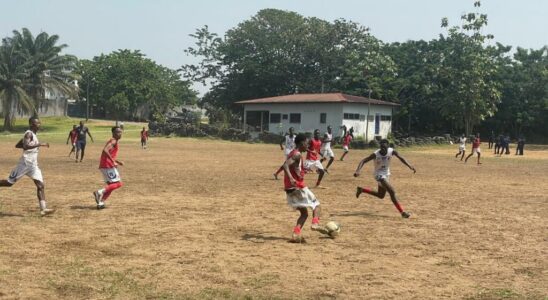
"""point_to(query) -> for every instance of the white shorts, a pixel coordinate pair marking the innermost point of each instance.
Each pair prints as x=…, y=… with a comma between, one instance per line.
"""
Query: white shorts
x=22, y=169
x=461, y=148
x=302, y=198
x=313, y=165
x=110, y=175
x=327, y=152
x=379, y=177
x=476, y=150
x=286, y=152
x=345, y=148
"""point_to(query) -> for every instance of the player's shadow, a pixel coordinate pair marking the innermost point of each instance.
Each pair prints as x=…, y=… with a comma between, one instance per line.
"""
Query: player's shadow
x=357, y=214
x=84, y=207
x=2, y=215
x=257, y=237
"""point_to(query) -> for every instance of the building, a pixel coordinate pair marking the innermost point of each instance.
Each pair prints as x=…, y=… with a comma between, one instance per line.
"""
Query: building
x=306, y=112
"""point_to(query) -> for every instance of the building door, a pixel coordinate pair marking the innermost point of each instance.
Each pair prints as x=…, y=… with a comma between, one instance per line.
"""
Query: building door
x=257, y=120
x=377, y=123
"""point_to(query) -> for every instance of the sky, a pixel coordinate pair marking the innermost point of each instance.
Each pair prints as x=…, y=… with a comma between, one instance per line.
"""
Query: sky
x=161, y=28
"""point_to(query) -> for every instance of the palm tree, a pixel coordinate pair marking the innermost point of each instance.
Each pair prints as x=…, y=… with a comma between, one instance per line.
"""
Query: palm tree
x=13, y=74
x=48, y=69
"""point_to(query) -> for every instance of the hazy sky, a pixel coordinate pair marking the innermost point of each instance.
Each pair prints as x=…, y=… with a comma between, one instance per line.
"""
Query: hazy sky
x=160, y=28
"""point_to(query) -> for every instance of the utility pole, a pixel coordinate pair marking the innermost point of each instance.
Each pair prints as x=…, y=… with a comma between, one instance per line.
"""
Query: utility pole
x=367, y=118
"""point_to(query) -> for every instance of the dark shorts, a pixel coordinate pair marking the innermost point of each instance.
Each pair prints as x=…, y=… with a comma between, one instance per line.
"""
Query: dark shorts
x=81, y=145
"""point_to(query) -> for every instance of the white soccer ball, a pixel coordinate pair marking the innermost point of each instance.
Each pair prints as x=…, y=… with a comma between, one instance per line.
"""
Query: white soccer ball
x=333, y=228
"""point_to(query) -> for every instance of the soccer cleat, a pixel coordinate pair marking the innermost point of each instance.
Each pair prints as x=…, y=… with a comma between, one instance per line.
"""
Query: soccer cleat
x=296, y=238
x=319, y=228
x=100, y=205
x=275, y=176
x=405, y=215
x=46, y=211
x=358, y=192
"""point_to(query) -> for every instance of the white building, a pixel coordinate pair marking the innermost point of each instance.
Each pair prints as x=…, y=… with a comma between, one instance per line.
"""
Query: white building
x=306, y=112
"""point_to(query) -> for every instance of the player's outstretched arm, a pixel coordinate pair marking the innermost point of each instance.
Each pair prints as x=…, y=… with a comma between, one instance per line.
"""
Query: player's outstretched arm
x=362, y=163
x=404, y=161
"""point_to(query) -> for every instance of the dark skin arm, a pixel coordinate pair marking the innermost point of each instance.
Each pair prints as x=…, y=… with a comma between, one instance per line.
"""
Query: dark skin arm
x=404, y=161
x=362, y=163
x=90, y=135
x=26, y=143
x=68, y=138
x=291, y=162
x=281, y=143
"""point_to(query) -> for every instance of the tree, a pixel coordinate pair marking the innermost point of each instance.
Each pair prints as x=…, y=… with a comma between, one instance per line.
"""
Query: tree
x=13, y=73
x=118, y=105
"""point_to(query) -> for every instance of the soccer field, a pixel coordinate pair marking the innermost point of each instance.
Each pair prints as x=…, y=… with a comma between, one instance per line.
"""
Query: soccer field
x=205, y=219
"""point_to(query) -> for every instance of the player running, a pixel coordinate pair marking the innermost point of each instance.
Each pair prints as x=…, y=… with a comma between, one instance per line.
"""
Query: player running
x=346, y=143
x=298, y=195
x=462, y=147
x=312, y=161
x=28, y=164
x=326, y=151
x=144, y=138
x=72, y=136
x=289, y=141
x=81, y=140
x=382, y=159
x=108, y=167
x=475, y=148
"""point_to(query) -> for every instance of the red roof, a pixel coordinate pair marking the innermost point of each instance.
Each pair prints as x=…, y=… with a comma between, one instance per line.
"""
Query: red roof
x=317, y=98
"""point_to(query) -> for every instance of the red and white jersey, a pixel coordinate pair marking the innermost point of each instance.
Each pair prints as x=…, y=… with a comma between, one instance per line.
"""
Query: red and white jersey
x=314, y=148
x=382, y=162
x=476, y=143
x=347, y=139
x=105, y=162
x=296, y=172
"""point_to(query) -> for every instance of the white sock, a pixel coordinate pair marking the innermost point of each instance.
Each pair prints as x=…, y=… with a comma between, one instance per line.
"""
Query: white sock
x=42, y=204
x=101, y=191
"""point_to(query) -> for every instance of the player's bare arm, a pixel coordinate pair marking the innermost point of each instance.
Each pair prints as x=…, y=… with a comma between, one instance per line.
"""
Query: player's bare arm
x=90, y=135
x=404, y=161
x=282, y=143
x=27, y=143
x=362, y=163
x=68, y=138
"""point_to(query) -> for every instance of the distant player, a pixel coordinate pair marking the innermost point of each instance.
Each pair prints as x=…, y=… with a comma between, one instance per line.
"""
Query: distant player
x=475, y=148
x=345, y=144
x=382, y=158
x=28, y=164
x=72, y=136
x=144, y=138
x=462, y=147
x=326, y=151
x=289, y=142
x=312, y=161
x=298, y=195
x=108, y=166
x=81, y=140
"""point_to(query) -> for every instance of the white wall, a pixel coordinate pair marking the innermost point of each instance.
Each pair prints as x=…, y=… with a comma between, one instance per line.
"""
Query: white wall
x=310, y=117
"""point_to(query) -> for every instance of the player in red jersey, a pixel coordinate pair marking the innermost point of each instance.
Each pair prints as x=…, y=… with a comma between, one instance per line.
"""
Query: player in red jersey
x=144, y=138
x=346, y=143
x=108, y=166
x=312, y=161
x=298, y=195
x=475, y=148
x=72, y=136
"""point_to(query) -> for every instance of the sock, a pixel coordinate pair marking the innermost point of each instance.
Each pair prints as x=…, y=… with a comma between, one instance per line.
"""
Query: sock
x=111, y=187
x=297, y=229
x=316, y=220
x=366, y=190
x=42, y=204
x=398, y=206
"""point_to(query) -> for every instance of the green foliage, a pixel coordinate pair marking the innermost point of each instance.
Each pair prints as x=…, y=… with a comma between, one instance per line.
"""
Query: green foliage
x=118, y=104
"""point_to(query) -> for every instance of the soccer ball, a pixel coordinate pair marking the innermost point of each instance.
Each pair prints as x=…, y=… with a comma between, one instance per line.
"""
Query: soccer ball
x=333, y=228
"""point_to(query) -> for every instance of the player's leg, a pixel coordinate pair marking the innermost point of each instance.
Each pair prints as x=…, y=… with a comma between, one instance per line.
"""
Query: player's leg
x=393, y=197
x=331, y=159
x=36, y=174
x=296, y=236
x=280, y=169
x=83, y=151
x=465, y=160
x=321, y=172
x=344, y=154
x=380, y=193
x=462, y=156
x=479, y=156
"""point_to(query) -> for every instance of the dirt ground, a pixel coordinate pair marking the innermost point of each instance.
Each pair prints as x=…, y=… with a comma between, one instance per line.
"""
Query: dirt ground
x=204, y=219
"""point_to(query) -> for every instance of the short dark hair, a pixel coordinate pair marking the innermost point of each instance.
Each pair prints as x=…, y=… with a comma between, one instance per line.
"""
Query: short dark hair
x=384, y=141
x=33, y=118
x=114, y=128
x=300, y=138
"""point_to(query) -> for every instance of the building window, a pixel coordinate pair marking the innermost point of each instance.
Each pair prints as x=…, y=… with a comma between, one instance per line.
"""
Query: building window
x=362, y=118
x=323, y=118
x=386, y=118
x=275, y=118
x=284, y=116
x=371, y=118
x=348, y=116
x=295, y=118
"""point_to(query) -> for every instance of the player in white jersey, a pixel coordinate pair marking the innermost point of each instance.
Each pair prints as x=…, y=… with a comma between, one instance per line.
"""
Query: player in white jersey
x=462, y=147
x=28, y=164
x=326, y=151
x=289, y=142
x=382, y=159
